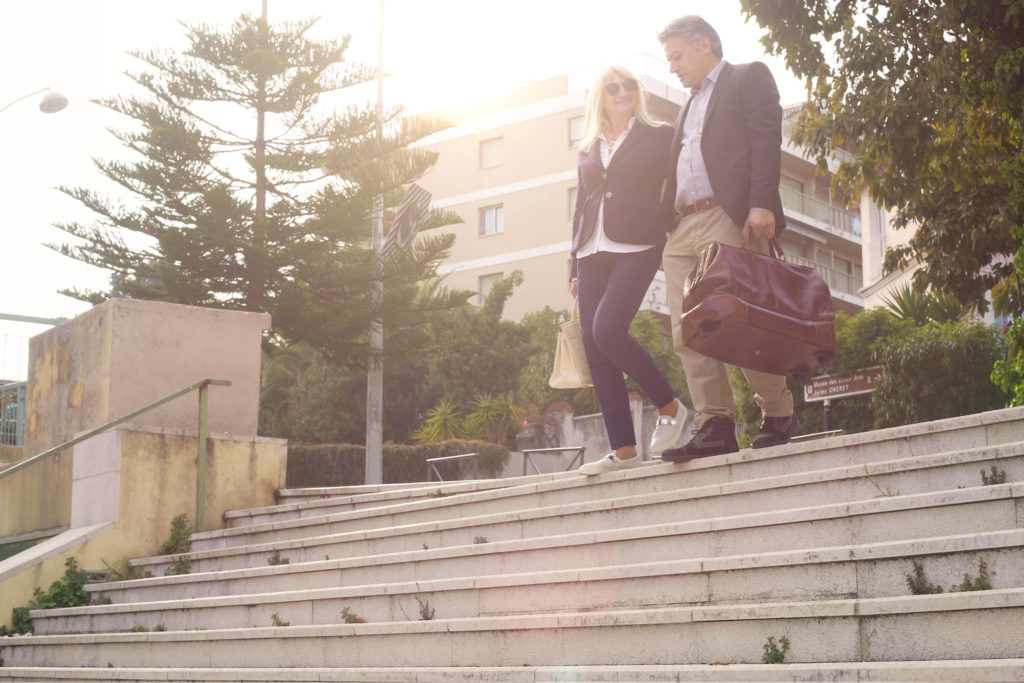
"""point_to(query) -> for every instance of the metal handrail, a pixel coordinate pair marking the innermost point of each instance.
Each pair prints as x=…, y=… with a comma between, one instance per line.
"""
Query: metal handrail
x=202, y=386
x=432, y=468
x=528, y=452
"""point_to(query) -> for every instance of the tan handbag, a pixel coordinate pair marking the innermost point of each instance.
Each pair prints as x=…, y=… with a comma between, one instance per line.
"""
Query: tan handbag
x=571, y=370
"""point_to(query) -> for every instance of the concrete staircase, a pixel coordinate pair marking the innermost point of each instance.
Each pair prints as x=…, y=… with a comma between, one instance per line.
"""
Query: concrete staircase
x=662, y=573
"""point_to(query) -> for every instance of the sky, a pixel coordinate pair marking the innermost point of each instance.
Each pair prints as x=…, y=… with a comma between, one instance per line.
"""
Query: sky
x=440, y=52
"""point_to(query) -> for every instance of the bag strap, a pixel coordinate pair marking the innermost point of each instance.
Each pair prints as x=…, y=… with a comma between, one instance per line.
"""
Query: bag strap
x=774, y=247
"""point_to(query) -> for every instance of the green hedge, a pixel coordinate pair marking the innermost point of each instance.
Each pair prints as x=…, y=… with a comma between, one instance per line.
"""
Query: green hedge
x=311, y=465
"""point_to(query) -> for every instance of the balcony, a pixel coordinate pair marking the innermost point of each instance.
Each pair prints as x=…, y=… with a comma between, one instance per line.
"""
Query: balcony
x=819, y=214
x=843, y=285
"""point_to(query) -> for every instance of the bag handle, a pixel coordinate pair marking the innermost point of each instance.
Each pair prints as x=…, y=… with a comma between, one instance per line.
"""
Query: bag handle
x=774, y=247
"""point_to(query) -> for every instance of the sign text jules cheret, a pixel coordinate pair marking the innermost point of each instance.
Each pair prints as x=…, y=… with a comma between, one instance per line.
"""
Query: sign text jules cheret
x=837, y=386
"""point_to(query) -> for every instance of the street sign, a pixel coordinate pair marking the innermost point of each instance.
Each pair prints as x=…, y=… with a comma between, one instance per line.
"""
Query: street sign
x=838, y=386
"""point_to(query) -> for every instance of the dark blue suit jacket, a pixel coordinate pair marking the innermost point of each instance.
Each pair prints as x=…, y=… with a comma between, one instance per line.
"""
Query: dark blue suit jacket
x=741, y=144
x=631, y=188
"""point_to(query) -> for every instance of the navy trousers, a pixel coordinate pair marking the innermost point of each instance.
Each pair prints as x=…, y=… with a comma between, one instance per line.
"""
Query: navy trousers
x=611, y=288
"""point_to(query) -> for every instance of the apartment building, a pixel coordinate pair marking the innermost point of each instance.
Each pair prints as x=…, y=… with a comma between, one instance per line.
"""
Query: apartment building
x=508, y=168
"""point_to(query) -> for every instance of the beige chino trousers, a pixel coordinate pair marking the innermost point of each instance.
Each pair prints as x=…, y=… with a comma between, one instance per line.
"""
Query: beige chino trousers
x=708, y=378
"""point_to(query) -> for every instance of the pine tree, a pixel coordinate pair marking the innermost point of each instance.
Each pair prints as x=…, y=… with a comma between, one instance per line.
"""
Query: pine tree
x=254, y=194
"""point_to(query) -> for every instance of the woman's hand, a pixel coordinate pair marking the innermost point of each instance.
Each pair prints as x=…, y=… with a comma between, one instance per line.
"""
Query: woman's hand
x=573, y=287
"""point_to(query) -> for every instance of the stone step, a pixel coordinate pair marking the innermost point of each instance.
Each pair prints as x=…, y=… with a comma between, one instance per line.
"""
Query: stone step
x=972, y=625
x=765, y=496
x=866, y=571
x=940, y=671
x=697, y=494
x=385, y=555
x=966, y=432
x=299, y=503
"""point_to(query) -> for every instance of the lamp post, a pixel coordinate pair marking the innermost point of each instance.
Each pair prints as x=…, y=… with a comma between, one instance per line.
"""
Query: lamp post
x=51, y=103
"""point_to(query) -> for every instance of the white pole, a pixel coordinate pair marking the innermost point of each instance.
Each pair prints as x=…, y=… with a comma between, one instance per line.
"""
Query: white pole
x=375, y=375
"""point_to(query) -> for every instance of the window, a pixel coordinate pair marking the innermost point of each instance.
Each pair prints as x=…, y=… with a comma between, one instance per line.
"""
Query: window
x=575, y=131
x=492, y=153
x=572, y=201
x=484, y=284
x=492, y=220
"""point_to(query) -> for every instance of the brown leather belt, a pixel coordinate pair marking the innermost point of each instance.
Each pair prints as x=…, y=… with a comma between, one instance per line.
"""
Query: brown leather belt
x=698, y=206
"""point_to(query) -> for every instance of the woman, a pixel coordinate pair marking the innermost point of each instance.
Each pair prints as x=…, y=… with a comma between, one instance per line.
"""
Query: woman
x=616, y=250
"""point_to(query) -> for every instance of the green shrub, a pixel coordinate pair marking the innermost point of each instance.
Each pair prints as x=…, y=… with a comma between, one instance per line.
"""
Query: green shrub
x=938, y=371
x=773, y=654
x=1009, y=374
x=67, y=591
x=979, y=583
x=21, y=623
x=181, y=537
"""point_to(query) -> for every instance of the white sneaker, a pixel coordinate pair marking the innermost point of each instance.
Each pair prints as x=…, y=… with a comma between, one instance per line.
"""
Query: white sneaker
x=609, y=463
x=667, y=429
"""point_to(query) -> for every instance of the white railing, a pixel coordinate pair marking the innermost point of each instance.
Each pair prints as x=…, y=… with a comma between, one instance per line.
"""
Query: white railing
x=837, y=280
x=840, y=220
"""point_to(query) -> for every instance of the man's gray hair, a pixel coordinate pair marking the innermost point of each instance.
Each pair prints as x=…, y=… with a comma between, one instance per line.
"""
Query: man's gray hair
x=692, y=29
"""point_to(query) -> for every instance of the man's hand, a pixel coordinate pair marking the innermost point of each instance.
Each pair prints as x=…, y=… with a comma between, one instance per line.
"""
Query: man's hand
x=574, y=287
x=760, y=225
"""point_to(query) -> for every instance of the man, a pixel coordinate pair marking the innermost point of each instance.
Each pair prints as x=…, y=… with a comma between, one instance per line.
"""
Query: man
x=726, y=161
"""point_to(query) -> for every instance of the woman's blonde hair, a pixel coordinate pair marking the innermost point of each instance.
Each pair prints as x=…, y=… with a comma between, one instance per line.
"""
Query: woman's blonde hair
x=596, y=121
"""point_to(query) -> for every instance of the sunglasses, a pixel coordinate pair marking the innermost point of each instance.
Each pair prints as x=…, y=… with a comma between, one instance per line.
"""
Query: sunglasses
x=629, y=85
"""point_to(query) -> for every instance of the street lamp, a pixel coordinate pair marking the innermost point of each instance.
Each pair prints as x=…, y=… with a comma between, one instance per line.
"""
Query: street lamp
x=52, y=102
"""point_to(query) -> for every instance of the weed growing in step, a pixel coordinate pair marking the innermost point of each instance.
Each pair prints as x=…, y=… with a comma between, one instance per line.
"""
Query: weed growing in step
x=882, y=493
x=179, y=544
x=480, y=539
x=100, y=600
x=996, y=477
x=159, y=627
x=276, y=559
x=277, y=621
x=181, y=537
x=774, y=654
x=439, y=494
x=918, y=584
x=67, y=591
x=21, y=623
x=350, y=617
x=979, y=583
x=426, y=611
x=182, y=564
x=124, y=571
x=140, y=629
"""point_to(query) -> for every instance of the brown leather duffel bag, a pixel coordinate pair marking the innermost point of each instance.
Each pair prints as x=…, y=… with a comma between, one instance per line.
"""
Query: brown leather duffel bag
x=759, y=312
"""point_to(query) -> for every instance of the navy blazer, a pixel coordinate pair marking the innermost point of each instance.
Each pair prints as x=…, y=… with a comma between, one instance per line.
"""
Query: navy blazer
x=741, y=144
x=631, y=188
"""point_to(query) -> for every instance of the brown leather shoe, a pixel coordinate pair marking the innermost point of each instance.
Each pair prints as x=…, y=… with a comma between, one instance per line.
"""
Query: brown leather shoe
x=715, y=437
x=776, y=431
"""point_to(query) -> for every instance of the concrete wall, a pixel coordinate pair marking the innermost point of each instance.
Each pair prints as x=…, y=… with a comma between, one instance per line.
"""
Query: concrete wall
x=10, y=455
x=117, y=358
x=36, y=498
x=129, y=484
x=125, y=353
